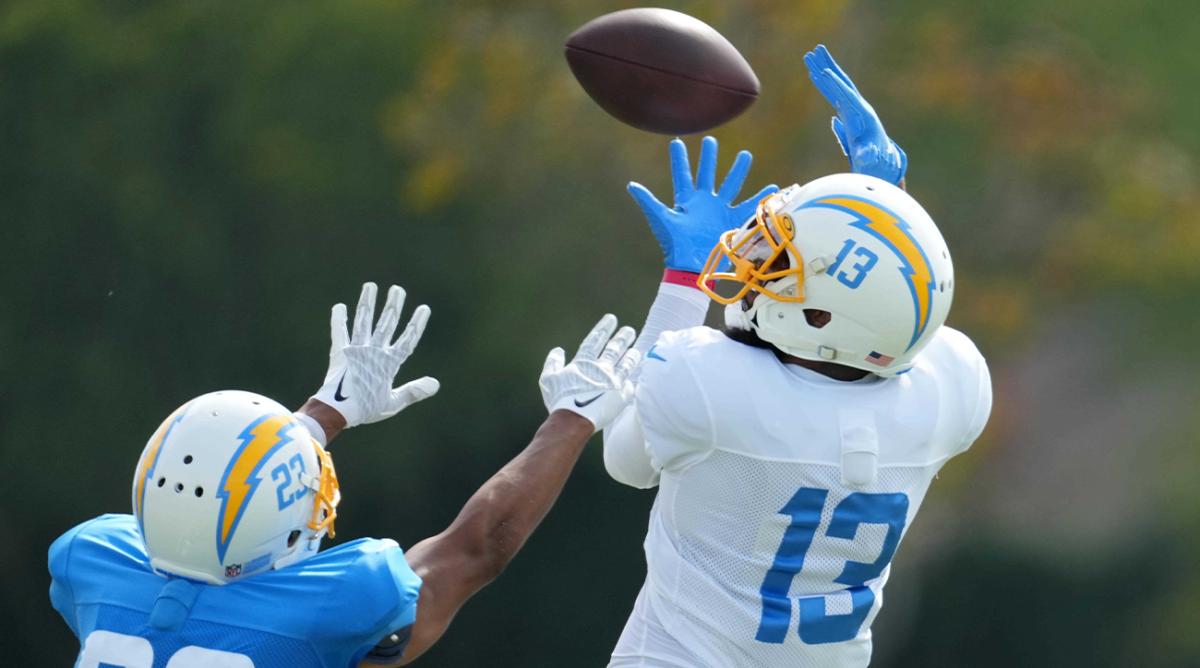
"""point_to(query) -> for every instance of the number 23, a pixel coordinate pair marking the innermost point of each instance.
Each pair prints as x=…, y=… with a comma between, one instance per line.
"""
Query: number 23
x=107, y=648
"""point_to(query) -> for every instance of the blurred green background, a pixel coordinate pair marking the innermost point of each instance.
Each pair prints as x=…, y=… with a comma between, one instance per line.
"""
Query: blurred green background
x=185, y=188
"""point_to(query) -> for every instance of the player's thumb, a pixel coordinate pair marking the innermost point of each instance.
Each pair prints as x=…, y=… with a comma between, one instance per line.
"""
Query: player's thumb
x=645, y=200
x=654, y=211
x=554, y=361
x=412, y=392
x=839, y=132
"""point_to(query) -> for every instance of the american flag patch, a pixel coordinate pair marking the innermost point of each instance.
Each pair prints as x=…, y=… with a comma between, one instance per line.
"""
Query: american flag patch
x=879, y=359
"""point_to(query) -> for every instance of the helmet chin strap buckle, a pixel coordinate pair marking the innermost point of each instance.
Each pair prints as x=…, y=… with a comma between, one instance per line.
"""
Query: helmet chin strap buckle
x=818, y=265
x=827, y=353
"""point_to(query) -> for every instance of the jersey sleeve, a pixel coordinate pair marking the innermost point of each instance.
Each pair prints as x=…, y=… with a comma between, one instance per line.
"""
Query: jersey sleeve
x=969, y=386
x=672, y=408
x=81, y=562
x=983, y=404
x=62, y=595
x=625, y=456
x=374, y=598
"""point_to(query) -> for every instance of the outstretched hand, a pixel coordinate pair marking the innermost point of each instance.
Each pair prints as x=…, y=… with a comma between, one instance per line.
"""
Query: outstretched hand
x=595, y=384
x=701, y=213
x=856, y=126
x=363, y=364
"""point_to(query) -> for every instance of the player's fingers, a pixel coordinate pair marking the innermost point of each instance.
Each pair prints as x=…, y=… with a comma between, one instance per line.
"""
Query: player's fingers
x=681, y=171
x=364, y=314
x=816, y=74
x=856, y=114
x=411, y=392
x=839, y=94
x=338, y=336
x=554, y=361
x=832, y=65
x=736, y=177
x=706, y=171
x=389, y=317
x=412, y=332
x=594, y=342
x=856, y=123
x=810, y=62
x=855, y=110
x=629, y=361
x=821, y=57
x=617, y=345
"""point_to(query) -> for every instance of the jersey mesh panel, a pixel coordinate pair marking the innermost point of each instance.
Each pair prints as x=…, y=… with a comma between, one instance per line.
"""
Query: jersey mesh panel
x=710, y=550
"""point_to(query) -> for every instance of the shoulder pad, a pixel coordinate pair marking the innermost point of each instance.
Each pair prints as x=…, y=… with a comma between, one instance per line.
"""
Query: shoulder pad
x=372, y=591
x=111, y=541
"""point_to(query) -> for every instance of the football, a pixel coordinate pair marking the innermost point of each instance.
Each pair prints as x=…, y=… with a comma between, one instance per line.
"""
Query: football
x=661, y=70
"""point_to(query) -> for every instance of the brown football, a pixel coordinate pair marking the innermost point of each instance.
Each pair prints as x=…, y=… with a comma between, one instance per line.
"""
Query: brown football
x=660, y=70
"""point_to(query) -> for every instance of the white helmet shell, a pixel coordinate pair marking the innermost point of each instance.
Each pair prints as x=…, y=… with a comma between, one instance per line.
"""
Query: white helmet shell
x=859, y=248
x=229, y=485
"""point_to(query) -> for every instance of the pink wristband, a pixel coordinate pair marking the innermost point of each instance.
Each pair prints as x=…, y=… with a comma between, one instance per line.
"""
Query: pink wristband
x=686, y=278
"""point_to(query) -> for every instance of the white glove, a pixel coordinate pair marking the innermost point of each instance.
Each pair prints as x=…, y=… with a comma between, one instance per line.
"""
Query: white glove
x=596, y=383
x=363, y=366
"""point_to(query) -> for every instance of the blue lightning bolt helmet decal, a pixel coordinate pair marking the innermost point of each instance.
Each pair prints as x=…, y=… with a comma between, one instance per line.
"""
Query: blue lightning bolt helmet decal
x=260, y=439
x=150, y=457
x=895, y=233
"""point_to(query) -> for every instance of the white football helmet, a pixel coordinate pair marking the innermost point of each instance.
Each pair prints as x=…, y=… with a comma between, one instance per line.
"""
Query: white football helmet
x=232, y=484
x=849, y=244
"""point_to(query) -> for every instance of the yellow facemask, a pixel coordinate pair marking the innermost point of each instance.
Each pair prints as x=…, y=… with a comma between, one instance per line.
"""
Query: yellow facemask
x=751, y=251
x=327, y=496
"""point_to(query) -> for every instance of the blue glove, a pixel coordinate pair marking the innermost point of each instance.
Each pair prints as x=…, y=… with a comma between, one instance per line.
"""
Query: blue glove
x=856, y=126
x=688, y=232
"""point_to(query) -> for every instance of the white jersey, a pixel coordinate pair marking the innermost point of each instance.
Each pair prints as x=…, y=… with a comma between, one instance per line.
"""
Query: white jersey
x=783, y=497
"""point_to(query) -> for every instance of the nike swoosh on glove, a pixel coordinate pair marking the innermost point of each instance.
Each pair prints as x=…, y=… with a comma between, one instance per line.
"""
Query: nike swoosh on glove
x=596, y=383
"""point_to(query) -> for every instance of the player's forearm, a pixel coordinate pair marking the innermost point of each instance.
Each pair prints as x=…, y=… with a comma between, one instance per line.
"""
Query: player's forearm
x=326, y=417
x=678, y=305
x=498, y=518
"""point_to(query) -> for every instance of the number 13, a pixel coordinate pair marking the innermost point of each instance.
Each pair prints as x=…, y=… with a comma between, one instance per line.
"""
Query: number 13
x=861, y=269
x=816, y=626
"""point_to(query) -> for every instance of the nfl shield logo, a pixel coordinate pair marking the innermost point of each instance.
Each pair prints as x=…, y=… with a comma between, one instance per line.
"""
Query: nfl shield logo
x=233, y=570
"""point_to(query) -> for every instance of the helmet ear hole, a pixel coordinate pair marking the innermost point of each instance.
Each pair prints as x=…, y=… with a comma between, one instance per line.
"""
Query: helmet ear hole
x=293, y=537
x=817, y=318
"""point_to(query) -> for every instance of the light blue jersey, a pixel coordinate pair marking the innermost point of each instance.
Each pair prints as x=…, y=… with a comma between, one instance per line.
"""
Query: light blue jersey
x=328, y=611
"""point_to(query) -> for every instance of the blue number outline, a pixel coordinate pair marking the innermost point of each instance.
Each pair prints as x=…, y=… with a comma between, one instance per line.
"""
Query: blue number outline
x=869, y=260
x=285, y=471
x=861, y=269
x=804, y=508
x=837, y=262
